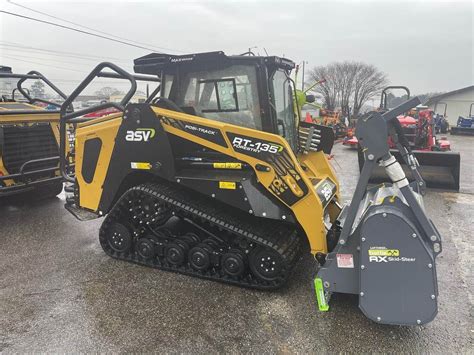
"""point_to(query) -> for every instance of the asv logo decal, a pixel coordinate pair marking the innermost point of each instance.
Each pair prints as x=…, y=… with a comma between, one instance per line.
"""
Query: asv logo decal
x=140, y=135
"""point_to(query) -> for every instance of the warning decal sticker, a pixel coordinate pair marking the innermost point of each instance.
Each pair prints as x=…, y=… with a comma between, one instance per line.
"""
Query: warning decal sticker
x=345, y=261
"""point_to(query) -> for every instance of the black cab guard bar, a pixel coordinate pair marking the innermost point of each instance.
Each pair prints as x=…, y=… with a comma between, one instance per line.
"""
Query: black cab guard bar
x=77, y=116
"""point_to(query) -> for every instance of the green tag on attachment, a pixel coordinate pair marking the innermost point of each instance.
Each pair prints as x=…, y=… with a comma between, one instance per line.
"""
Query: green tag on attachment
x=319, y=289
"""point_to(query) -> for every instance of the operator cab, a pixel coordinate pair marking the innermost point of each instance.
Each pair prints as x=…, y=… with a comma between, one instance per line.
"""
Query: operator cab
x=244, y=90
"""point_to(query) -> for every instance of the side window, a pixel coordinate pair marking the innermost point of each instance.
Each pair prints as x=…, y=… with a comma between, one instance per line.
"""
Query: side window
x=227, y=95
x=218, y=96
x=243, y=94
x=207, y=96
x=283, y=105
x=168, y=85
x=190, y=98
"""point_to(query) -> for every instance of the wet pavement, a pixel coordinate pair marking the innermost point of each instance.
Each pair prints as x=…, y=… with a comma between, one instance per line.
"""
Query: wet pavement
x=60, y=293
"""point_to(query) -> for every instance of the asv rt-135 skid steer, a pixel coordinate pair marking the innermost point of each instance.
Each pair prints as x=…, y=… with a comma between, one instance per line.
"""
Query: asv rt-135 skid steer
x=218, y=178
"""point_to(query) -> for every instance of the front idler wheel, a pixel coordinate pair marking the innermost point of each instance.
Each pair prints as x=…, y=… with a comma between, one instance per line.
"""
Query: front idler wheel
x=265, y=264
x=119, y=238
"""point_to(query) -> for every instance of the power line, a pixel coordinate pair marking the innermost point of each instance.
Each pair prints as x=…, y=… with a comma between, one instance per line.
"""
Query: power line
x=46, y=65
x=89, y=28
x=101, y=82
x=49, y=59
x=58, y=57
x=81, y=55
x=74, y=29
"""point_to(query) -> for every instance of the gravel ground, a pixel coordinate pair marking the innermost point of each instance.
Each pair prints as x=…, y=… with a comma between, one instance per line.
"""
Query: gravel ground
x=60, y=293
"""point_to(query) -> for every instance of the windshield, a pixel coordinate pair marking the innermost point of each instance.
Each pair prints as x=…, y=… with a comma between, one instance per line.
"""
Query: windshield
x=227, y=95
x=283, y=97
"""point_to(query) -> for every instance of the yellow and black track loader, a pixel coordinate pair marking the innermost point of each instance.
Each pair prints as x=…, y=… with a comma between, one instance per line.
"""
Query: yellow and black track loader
x=216, y=177
x=29, y=138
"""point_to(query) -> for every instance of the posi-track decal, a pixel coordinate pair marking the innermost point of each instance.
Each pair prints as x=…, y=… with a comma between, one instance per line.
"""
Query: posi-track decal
x=208, y=133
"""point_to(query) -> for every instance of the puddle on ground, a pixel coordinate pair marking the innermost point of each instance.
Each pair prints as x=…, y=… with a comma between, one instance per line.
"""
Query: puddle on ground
x=457, y=197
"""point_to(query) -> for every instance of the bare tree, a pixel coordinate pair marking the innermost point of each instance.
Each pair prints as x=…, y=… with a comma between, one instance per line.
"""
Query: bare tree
x=107, y=91
x=368, y=82
x=37, y=90
x=348, y=85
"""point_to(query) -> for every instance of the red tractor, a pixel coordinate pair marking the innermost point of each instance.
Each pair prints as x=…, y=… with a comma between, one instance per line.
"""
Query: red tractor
x=439, y=166
x=419, y=128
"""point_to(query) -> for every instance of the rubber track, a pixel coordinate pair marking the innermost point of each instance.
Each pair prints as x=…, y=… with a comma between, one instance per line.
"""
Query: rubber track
x=211, y=214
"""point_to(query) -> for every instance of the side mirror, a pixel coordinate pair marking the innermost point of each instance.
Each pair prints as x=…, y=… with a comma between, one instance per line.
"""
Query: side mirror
x=310, y=99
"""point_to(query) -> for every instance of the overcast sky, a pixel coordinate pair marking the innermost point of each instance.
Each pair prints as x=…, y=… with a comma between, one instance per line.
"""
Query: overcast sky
x=425, y=45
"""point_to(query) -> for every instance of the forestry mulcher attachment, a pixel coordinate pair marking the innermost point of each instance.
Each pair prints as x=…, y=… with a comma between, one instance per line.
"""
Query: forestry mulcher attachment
x=217, y=178
x=29, y=137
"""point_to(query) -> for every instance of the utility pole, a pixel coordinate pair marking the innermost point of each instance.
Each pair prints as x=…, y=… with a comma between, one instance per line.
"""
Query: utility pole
x=302, y=80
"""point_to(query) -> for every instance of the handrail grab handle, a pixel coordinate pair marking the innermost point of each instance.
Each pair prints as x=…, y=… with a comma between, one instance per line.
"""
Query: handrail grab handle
x=41, y=77
x=65, y=117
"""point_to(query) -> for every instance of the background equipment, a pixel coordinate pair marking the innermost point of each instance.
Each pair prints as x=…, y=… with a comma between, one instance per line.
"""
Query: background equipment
x=439, y=166
x=315, y=113
x=217, y=177
x=465, y=125
x=29, y=135
x=440, y=122
x=350, y=140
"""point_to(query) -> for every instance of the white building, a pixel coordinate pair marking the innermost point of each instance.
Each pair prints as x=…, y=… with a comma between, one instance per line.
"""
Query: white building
x=7, y=84
x=456, y=103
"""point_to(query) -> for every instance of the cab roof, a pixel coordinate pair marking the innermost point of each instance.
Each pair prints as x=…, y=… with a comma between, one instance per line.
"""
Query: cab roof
x=153, y=63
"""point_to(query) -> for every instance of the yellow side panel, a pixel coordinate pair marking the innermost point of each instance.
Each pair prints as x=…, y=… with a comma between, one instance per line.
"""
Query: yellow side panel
x=106, y=131
x=318, y=166
x=308, y=210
